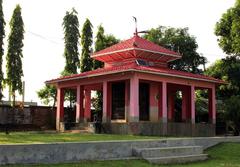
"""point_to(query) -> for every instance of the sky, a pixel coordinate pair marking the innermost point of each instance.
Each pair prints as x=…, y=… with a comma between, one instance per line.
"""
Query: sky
x=43, y=43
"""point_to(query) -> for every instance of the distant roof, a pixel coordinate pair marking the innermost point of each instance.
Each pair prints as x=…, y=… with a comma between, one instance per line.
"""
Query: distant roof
x=134, y=48
x=137, y=68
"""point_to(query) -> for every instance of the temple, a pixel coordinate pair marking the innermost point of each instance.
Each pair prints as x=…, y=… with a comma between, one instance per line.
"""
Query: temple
x=139, y=92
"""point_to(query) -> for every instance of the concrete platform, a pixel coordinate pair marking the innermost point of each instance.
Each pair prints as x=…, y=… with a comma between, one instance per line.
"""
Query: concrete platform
x=100, y=150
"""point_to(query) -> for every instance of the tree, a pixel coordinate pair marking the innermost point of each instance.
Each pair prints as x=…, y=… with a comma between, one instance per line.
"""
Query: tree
x=48, y=94
x=14, y=53
x=2, y=35
x=86, y=42
x=228, y=30
x=179, y=40
x=232, y=106
x=227, y=69
x=103, y=41
x=71, y=37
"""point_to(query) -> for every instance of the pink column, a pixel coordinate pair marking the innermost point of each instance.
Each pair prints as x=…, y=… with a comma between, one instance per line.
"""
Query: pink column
x=79, y=104
x=60, y=108
x=164, y=102
x=212, y=105
x=154, y=89
x=126, y=99
x=192, y=104
x=87, y=113
x=105, y=102
x=134, y=99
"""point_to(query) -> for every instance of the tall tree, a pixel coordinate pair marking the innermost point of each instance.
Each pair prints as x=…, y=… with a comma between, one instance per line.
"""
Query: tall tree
x=14, y=53
x=2, y=35
x=228, y=30
x=179, y=40
x=103, y=41
x=71, y=37
x=227, y=69
x=86, y=42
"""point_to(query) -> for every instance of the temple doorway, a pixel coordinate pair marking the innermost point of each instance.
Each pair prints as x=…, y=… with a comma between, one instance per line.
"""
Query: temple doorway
x=144, y=101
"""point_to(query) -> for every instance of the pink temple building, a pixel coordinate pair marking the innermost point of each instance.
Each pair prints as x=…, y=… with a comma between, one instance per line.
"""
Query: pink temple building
x=139, y=92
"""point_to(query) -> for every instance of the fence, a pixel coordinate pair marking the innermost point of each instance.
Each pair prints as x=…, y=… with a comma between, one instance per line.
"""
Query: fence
x=28, y=118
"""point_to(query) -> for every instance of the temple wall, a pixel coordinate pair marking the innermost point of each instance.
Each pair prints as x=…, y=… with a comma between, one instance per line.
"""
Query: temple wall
x=160, y=129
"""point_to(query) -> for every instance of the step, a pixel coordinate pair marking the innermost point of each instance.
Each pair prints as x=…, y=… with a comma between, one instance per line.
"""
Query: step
x=167, y=151
x=77, y=131
x=177, y=159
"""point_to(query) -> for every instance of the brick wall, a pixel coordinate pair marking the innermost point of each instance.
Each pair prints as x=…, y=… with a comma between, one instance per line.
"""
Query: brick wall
x=28, y=118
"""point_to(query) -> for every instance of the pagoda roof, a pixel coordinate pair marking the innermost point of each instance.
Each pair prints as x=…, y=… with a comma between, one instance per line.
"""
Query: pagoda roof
x=136, y=47
x=137, y=68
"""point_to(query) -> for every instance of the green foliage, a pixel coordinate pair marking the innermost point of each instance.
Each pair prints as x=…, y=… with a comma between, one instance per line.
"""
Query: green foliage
x=227, y=69
x=179, y=40
x=48, y=94
x=14, y=53
x=228, y=30
x=103, y=41
x=2, y=35
x=86, y=42
x=71, y=37
x=232, y=108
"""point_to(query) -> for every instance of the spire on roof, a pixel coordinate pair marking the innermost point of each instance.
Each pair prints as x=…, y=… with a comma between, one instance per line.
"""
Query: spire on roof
x=135, y=20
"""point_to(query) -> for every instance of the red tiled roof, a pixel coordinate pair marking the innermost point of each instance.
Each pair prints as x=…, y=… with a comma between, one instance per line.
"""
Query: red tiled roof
x=136, y=42
x=134, y=67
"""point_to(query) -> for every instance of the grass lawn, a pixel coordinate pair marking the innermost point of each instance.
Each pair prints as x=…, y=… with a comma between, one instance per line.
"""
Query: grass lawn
x=223, y=155
x=41, y=137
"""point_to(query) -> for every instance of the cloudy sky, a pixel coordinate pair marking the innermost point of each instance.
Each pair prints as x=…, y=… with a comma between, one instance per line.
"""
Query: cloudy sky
x=43, y=44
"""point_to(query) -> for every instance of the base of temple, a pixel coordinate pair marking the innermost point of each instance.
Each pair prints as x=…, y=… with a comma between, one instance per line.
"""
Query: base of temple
x=160, y=129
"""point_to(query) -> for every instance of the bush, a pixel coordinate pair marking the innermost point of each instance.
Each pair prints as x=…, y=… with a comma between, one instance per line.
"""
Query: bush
x=232, y=108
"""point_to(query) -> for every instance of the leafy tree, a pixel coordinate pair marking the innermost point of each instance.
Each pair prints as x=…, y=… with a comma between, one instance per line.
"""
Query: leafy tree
x=14, y=53
x=71, y=37
x=103, y=41
x=2, y=35
x=48, y=94
x=86, y=42
x=179, y=40
x=232, y=106
x=228, y=30
x=227, y=69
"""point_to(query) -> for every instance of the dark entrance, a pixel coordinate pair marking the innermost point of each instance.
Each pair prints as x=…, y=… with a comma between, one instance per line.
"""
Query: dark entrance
x=118, y=100
x=143, y=101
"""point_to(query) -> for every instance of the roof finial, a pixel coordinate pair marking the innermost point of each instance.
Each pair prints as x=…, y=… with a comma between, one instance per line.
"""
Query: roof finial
x=135, y=20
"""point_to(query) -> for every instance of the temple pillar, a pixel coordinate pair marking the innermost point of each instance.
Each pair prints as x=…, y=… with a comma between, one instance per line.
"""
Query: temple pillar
x=154, y=89
x=60, y=109
x=106, y=102
x=192, y=104
x=212, y=105
x=163, y=102
x=79, y=104
x=87, y=112
x=127, y=100
x=134, y=99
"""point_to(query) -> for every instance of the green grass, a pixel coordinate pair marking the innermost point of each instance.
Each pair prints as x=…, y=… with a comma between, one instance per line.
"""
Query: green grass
x=223, y=155
x=41, y=137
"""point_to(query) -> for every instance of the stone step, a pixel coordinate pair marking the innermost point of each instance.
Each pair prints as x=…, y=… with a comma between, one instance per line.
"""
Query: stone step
x=167, y=151
x=177, y=159
x=77, y=131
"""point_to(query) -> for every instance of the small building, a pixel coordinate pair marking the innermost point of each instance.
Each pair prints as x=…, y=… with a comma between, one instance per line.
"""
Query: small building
x=139, y=92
